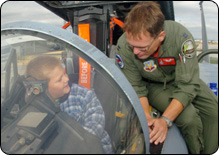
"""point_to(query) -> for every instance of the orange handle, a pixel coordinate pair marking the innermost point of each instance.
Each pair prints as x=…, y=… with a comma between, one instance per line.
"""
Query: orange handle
x=66, y=25
x=117, y=21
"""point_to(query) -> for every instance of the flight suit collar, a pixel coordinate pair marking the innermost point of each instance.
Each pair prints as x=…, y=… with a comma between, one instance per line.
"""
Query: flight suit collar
x=155, y=55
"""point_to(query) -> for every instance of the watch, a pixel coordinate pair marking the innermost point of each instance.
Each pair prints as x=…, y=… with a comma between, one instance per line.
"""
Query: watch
x=169, y=122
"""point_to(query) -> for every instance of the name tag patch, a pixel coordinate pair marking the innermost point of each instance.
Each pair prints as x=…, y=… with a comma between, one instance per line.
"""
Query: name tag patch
x=170, y=61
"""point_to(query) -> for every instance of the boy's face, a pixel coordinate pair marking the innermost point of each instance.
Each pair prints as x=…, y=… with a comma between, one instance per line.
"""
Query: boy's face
x=58, y=83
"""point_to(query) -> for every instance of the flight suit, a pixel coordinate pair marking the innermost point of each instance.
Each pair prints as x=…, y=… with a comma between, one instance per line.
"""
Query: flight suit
x=173, y=72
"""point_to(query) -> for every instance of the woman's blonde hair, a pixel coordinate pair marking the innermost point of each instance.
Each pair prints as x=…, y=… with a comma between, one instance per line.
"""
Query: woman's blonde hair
x=144, y=17
x=41, y=66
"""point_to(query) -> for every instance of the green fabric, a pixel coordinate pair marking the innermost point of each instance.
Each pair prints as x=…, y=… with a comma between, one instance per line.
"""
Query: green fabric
x=181, y=82
x=200, y=114
x=185, y=75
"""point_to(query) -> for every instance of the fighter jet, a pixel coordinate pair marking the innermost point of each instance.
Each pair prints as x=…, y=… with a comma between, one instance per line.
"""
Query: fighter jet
x=34, y=123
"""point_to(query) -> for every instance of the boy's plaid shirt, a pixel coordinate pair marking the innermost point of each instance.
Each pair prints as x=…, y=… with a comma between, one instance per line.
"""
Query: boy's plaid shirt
x=83, y=106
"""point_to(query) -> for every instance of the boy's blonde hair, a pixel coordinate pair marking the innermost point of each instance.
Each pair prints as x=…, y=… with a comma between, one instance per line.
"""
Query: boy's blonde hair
x=41, y=66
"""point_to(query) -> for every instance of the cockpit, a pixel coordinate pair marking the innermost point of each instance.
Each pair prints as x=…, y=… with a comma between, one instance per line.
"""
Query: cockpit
x=38, y=126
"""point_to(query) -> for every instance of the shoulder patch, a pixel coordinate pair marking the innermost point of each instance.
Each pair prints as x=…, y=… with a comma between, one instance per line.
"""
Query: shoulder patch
x=119, y=61
x=188, y=48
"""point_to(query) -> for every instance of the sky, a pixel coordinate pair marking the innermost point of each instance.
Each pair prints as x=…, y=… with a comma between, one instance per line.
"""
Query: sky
x=186, y=12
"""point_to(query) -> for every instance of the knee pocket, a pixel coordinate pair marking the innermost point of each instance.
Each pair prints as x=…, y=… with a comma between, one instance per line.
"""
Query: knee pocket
x=190, y=121
x=189, y=117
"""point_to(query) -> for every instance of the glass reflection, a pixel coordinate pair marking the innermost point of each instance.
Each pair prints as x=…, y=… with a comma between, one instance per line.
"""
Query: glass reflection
x=122, y=123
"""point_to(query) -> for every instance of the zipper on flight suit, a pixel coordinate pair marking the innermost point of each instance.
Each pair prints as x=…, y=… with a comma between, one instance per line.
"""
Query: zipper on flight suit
x=162, y=71
x=160, y=52
x=156, y=56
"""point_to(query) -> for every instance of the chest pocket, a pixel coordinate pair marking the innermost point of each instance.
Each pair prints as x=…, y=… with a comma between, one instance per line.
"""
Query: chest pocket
x=168, y=69
x=150, y=70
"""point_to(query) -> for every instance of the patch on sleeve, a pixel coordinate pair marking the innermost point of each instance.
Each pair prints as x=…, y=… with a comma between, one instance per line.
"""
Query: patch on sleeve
x=119, y=61
x=188, y=48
